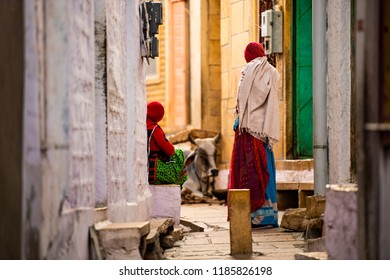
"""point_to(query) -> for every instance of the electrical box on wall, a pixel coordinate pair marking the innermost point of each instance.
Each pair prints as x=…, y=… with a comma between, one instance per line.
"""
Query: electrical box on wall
x=151, y=19
x=272, y=31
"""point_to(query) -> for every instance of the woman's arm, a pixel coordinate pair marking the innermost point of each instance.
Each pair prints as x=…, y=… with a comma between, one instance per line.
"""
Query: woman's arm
x=163, y=143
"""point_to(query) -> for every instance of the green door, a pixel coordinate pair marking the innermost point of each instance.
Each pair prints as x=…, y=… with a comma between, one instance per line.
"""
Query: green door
x=303, y=119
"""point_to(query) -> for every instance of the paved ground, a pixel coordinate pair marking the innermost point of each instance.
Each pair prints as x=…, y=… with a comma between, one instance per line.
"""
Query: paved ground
x=214, y=241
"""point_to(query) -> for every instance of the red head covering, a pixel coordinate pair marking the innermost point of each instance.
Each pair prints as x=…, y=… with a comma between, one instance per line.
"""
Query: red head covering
x=155, y=111
x=253, y=50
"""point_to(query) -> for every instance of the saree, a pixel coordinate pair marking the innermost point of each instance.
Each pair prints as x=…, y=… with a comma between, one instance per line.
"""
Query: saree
x=253, y=167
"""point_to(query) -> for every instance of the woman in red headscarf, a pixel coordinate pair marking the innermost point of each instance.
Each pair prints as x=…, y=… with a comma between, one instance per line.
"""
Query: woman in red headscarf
x=256, y=131
x=166, y=164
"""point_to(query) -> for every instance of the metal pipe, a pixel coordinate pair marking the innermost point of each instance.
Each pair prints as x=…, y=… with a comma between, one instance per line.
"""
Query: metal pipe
x=320, y=136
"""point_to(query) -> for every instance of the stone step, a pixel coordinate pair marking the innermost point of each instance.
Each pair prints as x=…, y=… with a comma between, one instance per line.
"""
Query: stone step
x=118, y=241
x=296, y=165
x=295, y=174
x=294, y=182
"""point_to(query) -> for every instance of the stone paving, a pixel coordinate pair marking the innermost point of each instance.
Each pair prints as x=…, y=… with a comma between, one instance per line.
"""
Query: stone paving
x=214, y=241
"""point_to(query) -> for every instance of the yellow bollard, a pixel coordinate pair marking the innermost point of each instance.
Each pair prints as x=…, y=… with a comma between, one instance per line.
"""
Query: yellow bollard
x=240, y=223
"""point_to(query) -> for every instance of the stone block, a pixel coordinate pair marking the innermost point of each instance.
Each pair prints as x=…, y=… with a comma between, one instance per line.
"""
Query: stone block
x=166, y=201
x=315, y=206
x=302, y=195
x=119, y=241
x=314, y=228
x=294, y=219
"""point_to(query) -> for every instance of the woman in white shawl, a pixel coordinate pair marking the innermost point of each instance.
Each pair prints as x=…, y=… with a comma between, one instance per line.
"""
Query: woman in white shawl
x=256, y=131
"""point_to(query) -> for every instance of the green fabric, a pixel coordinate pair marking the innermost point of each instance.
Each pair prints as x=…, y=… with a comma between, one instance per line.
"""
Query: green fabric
x=171, y=172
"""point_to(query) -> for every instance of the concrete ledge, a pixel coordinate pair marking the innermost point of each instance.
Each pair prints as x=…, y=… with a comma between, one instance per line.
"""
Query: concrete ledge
x=294, y=186
x=166, y=201
x=297, y=165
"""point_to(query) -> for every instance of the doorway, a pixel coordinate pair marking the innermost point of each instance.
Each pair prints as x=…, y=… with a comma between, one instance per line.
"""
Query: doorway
x=302, y=81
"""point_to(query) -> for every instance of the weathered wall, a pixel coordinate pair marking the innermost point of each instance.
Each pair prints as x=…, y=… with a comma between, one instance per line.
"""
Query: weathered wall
x=61, y=163
x=211, y=66
x=339, y=90
x=341, y=222
x=138, y=194
x=68, y=160
x=101, y=102
x=116, y=109
x=341, y=200
x=128, y=194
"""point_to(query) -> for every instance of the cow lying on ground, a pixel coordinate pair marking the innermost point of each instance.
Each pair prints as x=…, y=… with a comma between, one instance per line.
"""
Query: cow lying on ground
x=200, y=165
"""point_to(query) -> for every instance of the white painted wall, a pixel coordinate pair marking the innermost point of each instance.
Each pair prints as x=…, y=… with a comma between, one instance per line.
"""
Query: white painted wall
x=128, y=193
x=138, y=193
x=67, y=128
x=65, y=154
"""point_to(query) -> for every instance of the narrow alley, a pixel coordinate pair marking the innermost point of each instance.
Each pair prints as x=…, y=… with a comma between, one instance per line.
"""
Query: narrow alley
x=76, y=173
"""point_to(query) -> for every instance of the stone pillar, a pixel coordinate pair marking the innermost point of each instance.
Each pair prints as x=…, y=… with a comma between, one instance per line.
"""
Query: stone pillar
x=240, y=222
x=339, y=92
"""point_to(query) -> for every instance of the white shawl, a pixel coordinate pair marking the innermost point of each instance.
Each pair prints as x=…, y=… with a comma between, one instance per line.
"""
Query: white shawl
x=257, y=99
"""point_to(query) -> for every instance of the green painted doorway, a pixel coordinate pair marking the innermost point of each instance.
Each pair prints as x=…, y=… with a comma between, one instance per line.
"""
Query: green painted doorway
x=302, y=81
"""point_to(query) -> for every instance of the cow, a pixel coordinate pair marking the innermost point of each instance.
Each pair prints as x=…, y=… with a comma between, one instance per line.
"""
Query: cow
x=200, y=165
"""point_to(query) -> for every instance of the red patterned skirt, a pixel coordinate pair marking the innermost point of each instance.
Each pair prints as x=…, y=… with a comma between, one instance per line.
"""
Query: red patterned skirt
x=248, y=168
